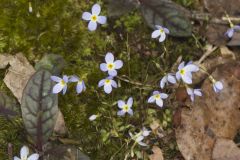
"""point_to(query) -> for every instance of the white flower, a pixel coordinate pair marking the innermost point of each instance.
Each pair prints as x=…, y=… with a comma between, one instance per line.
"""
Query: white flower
x=167, y=78
x=217, y=86
x=192, y=92
x=94, y=17
x=185, y=72
x=158, y=98
x=24, y=152
x=111, y=66
x=161, y=31
x=145, y=132
x=125, y=107
x=108, y=83
x=138, y=138
x=93, y=117
x=61, y=84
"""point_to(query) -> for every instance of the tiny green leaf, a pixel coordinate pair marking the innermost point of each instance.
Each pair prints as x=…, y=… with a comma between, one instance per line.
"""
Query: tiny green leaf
x=39, y=107
x=167, y=14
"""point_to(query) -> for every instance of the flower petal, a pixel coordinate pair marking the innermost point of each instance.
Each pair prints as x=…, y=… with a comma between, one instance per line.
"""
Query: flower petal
x=86, y=16
x=236, y=27
x=96, y=9
x=181, y=65
x=139, y=138
x=191, y=68
x=109, y=58
x=156, y=33
x=92, y=26
x=92, y=117
x=112, y=72
x=166, y=30
x=101, y=83
x=197, y=92
x=151, y=99
x=102, y=19
x=171, y=79
x=219, y=85
x=230, y=32
x=65, y=78
x=142, y=144
x=64, y=90
x=163, y=95
x=162, y=37
x=79, y=88
x=73, y=79
x=178, y=75
x=190, y=91
x=155, y=92
x=107, y=89
x=34, y=156
x=121, y=113
x=159, y=102
x=187, y=78
x=103, y=67
x=121, y=103
x=56, y=79
x=130, y=102
x=16, y=158
x=130, y=111
x=118, y=64
x=163, y=82
x=24, y=152
x=114, y=84
x=57, y=88
x=158, y=27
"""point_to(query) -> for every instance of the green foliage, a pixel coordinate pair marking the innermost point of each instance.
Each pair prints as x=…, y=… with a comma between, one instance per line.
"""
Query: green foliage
x=56, y=27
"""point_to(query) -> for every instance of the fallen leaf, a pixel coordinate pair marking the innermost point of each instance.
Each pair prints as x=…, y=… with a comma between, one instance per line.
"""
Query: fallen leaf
x=60, y=126
x=225, y=149
x=211, y=116
x=4, y=60
x=226, y=52
x=235, y=41
x=18, y=73
x=157, y=154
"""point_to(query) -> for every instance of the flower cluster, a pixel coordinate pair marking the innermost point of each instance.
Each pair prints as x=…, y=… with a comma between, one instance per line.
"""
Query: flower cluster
x=139, y=137
x=62, y=84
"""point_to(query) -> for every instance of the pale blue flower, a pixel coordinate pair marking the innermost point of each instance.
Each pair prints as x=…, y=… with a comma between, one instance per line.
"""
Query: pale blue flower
x=185, y=72
x=138, y=138
x=24, y=152
x=125, y=107
x=167, y=78
x=192, y=92
x=108, y=83
x=80, y=84
x=61, y=84
x=231, y=30
x=217, y=86
x=161, y=31
x=145, y=132
x=94, y=17
x=157, y=98
x=93, y=117
x=111, y=66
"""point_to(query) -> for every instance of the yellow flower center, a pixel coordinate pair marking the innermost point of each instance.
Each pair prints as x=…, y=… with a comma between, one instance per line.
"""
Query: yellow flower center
x=157, y=96
x=62, y=83
x=125, y=108
x=107, y=81
x=110, y=66
x=161, y=31
x=94, y=18
x=182, y=71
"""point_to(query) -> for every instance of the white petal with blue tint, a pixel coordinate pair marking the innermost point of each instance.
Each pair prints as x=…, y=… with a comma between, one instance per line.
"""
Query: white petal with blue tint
x=101, y=83
x=16, y=158
x=112, y=72
x=118, y=64
x=159, y=102
x=130, y=111
x=162, y=37
x=86, y=16
x=33, y=157
x=187, y=79
x=198, y=92
x=103, y=67
x=102, y=19
x=73, y=79
x=163, y=81
x=166, y=30
x=114, y=84
x=171, y=79
x=121, y=104
x=151, y=99
x=107, y=89
x=130, y=102
x=64, y=89
x=163, y=95
x=156, y=34
x=56, y=79
x=155, y=92
x=191, y=68
x=57, y=88
x=181, y=65
x=109, y=58
x=96, y=9
x=92, y=26
x=121, y=113
x=65, y=78
x=24, y=152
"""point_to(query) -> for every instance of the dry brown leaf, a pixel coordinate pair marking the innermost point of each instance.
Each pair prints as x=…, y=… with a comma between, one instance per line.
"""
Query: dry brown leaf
x=225, y=149
x=157, y=154
x=235, y=41
x=19, y=72
x=4, y=60
x=212, y=116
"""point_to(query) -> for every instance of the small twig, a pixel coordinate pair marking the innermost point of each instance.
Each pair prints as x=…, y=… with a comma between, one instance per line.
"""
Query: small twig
x=206, y=54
